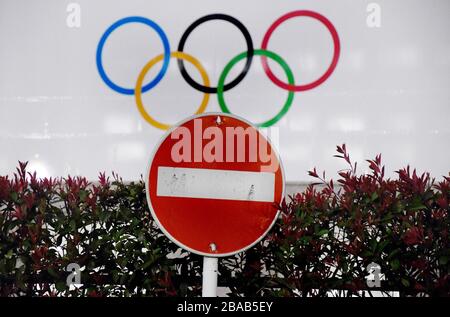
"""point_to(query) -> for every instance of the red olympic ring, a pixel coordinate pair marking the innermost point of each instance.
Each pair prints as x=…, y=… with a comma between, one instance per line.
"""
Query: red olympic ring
x=337, y=50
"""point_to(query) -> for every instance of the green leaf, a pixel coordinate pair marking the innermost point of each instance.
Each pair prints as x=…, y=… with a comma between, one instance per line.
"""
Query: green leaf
x=387, y=218
x=148, y=263
x=14, y=196
x=9, y=254
x=115, y=274
x=443, y=260
x=383, y=244
x=416, y=204
x=391, y=255
x=374, y=196
x=83, y=195
x=322, y=232
x=405, y=282
x=20, y=282
x=52, y=272
x=418, y=207
x=61, y=286
x=395, y=264
x=72, y=225
x=399, y=207
x=373, y=245
x=305, y=240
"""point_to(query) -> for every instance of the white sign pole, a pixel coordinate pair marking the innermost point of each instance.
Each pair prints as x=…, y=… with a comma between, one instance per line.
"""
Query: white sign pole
x=209, y=282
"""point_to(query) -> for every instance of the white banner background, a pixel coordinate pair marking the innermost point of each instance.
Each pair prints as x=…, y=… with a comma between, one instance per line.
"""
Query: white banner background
x=388, y=94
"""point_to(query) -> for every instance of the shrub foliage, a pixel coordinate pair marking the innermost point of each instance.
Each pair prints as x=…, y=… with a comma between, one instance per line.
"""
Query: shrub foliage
x=322, y=245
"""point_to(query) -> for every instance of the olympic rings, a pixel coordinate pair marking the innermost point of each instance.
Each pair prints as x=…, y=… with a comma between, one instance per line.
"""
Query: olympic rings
x=162, y=72
x=249, y=54
x=137, y=90
x=337, y=49
x=276, y=58
x=221, y=86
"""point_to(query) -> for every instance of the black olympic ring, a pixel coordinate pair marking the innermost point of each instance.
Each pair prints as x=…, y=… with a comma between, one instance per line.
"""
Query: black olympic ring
x=250, y=52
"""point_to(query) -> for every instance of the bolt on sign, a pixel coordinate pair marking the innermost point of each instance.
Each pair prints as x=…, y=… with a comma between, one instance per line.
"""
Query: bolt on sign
x=214, y=183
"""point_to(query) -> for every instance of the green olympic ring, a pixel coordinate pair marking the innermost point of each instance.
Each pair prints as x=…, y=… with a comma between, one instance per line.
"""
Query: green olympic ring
x=276, y=58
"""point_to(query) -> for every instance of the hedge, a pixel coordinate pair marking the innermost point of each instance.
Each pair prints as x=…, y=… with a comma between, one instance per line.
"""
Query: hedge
x=322, y=244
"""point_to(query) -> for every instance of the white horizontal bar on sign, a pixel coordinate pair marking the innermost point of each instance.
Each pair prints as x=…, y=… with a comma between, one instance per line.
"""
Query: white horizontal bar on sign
x=215, y=184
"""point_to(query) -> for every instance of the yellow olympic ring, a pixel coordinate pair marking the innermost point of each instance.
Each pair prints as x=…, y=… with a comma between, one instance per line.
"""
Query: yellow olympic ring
x=144, y=71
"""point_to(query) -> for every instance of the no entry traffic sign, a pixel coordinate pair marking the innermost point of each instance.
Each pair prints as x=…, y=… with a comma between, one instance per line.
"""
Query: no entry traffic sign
x=214, y=183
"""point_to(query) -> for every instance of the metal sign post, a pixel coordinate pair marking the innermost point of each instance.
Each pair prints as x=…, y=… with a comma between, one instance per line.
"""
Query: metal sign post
x=209, y=279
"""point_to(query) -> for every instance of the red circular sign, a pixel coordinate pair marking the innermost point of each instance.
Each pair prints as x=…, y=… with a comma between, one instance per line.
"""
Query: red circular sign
x=214, y=184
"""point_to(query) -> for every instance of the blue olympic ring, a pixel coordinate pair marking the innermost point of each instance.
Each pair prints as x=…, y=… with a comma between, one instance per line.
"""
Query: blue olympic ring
x=162, y=72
